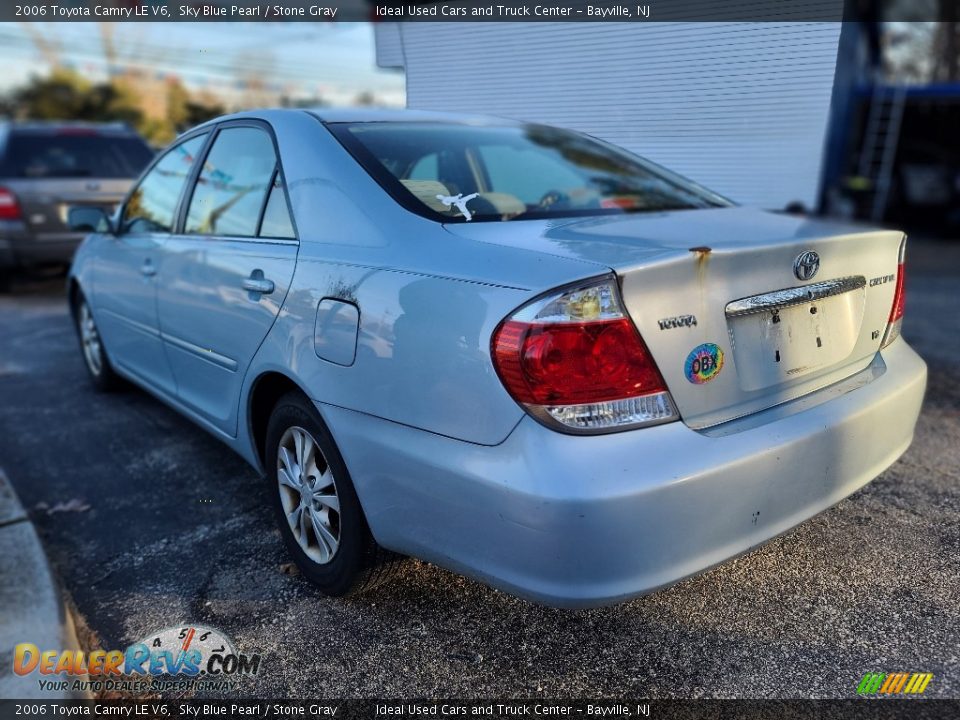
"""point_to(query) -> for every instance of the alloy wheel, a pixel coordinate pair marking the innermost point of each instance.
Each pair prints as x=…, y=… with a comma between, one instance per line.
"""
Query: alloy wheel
x=308, y=494
x=90, y=341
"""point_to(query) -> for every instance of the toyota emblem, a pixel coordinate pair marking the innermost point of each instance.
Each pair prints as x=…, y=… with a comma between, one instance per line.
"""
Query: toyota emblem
x=806, y=265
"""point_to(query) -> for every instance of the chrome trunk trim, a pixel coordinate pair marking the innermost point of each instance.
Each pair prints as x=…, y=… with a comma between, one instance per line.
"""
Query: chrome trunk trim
x=788, y=297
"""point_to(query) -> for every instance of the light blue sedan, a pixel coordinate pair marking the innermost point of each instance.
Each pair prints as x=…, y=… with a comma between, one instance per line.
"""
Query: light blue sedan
x=512, y=350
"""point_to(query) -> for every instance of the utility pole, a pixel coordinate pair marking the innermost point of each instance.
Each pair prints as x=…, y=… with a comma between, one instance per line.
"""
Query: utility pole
x=49, y=50
x=109, y=48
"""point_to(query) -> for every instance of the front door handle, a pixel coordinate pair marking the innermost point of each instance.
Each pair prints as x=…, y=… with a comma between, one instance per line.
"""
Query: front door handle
x=148, y=269
x=257, y=284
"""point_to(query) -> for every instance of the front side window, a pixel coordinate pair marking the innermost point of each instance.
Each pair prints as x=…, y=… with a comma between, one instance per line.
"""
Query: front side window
x=233, y=184
x=512, y=172
x=153, y=205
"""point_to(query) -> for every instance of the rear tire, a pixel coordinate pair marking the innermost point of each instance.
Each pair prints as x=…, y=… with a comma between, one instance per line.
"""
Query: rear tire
x=316, y=505
x=101, y=373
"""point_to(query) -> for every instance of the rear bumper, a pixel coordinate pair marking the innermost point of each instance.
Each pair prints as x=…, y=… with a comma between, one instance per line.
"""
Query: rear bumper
x=20, y=248
x=581, y=521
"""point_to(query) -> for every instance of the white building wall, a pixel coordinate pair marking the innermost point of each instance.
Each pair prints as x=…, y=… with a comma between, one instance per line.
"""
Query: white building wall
x=389, y=45
x=740, y=107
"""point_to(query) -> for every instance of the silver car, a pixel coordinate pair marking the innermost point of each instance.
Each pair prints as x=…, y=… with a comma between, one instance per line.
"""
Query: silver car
x=512, y=350
x=48, y=167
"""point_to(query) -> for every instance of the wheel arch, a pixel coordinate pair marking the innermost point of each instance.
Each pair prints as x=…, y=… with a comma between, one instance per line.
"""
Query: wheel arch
x=74, y=293
x=265, y=391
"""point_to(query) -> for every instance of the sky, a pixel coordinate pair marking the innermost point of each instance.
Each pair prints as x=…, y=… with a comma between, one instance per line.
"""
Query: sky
x=334, y=61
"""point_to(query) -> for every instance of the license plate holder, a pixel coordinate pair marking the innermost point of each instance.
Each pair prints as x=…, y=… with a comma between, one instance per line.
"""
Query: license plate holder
x=776, y=344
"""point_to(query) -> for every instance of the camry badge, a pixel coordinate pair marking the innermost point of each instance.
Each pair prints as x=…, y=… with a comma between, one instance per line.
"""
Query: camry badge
x=806, y=265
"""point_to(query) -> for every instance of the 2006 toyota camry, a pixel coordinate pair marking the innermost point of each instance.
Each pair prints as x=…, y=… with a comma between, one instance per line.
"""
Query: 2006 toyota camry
x=512, y=350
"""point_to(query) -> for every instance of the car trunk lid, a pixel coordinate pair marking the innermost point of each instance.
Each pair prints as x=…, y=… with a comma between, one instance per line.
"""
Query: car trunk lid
x=716, y=298
x=45, y=202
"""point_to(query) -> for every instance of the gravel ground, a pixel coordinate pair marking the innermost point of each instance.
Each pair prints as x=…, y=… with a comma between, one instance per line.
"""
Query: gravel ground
x=170, y=527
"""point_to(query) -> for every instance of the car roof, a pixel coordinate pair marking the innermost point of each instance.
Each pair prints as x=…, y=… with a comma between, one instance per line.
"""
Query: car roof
x=368, y=114
x=336, y=115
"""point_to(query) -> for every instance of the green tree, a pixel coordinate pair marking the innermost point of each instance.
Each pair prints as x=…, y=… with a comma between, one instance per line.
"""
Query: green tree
x=178, y=97
x=66, y=95
x=199, y=112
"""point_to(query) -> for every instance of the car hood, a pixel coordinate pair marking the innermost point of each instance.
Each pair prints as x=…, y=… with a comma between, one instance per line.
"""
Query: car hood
x=624, y=241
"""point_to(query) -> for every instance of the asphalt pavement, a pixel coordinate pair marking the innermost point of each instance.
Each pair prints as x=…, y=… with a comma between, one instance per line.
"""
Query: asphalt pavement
x=150, y=523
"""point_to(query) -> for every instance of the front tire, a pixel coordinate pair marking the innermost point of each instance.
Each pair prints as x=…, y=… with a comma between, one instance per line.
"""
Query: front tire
x=316, y=505
x=101, y=374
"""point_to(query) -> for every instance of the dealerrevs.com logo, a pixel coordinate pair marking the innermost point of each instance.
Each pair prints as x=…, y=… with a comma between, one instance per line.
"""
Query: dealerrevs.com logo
x=187, y=657
x=898, y=683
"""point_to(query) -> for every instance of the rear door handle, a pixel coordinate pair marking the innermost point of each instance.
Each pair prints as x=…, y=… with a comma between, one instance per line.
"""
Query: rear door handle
x=148, y=269
x=259, y=285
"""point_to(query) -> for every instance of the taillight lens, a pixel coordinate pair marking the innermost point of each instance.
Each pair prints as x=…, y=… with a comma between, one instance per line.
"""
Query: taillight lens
x=9, y=207
x=899, y=299
x=575, y=361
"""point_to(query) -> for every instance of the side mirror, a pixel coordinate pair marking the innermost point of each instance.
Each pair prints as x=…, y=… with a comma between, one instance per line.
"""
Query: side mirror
x=88, y=219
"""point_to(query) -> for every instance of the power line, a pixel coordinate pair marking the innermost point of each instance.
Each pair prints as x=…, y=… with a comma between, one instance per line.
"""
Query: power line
x=160, y=53
x=148, y=52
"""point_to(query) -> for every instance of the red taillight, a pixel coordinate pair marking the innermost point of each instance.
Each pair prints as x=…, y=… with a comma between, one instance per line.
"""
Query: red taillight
x=9, y=207
x=896, y=312
x=899, y=300
x=574, y=363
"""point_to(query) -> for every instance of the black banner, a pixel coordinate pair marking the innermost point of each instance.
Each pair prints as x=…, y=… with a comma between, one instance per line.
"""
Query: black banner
x=872, y=709
x=465, y=11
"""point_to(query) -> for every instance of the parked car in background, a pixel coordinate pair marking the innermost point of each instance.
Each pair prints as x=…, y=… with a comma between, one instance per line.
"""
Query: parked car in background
x=48, y=167
x=926, y=187
x=512, y=350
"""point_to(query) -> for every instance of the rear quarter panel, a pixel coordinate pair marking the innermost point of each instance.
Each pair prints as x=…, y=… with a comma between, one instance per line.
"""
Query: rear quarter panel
x=429, y=301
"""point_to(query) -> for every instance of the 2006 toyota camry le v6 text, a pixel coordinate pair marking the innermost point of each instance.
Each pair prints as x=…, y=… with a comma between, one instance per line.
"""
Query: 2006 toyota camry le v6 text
x=514, y=351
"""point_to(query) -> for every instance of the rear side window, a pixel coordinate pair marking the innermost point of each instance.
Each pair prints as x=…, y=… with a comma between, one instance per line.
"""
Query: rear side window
x=152, y=206
x=276, y=217
x=74, y=154
x=233, y=184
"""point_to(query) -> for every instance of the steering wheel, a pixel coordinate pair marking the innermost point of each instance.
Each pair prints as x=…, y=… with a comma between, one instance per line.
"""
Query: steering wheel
x=554, y=198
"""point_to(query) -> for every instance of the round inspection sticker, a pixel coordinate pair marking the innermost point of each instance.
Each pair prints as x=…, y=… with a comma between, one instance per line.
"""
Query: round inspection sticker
x=703, y=363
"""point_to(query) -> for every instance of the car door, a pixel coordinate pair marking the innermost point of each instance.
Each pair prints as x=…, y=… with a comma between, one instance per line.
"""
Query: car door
x=225, y=274
x=127, y=264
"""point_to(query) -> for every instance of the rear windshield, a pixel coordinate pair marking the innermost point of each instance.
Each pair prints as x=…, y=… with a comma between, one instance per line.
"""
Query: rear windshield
x=459, y=173
x=74, y=155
